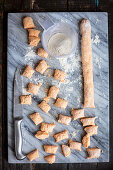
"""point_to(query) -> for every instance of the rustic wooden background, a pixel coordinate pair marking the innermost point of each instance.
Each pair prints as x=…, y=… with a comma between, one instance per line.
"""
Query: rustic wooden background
x=48, y=5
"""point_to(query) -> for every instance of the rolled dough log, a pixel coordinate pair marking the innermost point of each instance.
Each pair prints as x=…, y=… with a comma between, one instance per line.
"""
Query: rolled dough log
x=85, y=29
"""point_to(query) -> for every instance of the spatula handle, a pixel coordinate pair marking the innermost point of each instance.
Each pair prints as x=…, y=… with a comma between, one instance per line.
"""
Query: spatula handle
x=18, y=140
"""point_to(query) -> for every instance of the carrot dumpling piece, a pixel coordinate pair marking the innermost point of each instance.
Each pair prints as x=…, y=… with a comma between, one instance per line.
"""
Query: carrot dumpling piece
x=47, y=127
x=66, y=150
x=42, y=53
x=50, y=159
x=86, y=140
x=91, y=130
x=33, y=33
x=77, y=113
x=28, y=23
x=33, y=155
x=75, y=145
x=42, y=135
x=61, y=135
x=93, y=153
x=88, y=121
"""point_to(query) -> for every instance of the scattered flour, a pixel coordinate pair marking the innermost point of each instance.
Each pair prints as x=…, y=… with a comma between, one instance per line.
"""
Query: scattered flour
x=36, y=79
x=98, y=62
x=24, y=91
x=30, y=56
x=70, y=64
x=96, y=40
x=73, y=134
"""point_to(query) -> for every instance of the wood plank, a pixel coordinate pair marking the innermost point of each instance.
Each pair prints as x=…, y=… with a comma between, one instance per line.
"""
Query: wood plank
x=15, y=5
x=83, y=166
x=49, y=167
x=74, y=5
x=50, y=5
x=1, y=50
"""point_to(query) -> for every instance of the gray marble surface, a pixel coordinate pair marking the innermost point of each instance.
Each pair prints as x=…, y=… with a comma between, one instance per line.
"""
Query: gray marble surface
x=20, y=53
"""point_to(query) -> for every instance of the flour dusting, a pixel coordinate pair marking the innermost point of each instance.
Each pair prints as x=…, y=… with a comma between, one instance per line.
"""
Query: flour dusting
x=96, y=40
x=30, y=57
x=70, y=64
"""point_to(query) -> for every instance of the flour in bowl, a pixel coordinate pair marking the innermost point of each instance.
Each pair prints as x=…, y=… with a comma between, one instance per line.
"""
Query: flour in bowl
x=59, y=44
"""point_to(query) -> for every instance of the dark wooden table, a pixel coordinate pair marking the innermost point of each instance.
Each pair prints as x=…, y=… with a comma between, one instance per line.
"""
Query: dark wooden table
x=37, y=6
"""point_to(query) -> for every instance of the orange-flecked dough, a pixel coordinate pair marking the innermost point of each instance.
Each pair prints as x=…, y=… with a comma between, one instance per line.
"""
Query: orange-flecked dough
x=41, y=67
x=42, y=135
x=53, y=92
x=42, y=53
x=86, y=47
x=93, y=153
x=61, y=103
x=88, y=121
x=36, y=118
x=44, y=106
x=75, y=145
x=86, y=140
x=33, y=155
x=91, y=130
x=50, y=148
x=61, y=136
x=64, y=119
x=28, y=72
x=33, y=41
x=66, y=150
x=28, y=23
x=59, y=75
x=33, y=88
x=50, y=159
x=47, y=127
x=25, y=99
x=33, y=33
x=77, y=113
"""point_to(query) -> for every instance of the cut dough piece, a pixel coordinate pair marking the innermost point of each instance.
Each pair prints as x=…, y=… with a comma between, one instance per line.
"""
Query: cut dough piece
x=44, y=106
x=36, y=118
x=75, y=145
x=47, y=99
x=28, y=72
x=47, y=127
x=93, y=153
x=91, y=130
x=86, y=140
x=61, y=135
x=59, y=75
x=33, y=155
x=85, y=29
x=33, y=33
x=61, y=103
x=28, y=22
x=42, y=53
x=42, y=135
x=64, y=119
x=33, y=41
x=77, y=113
x=33, y=88
x=50, y=148
x=50, y=159
x=53, y=92
x=88, y=121
x=41, y=67
x=66, y=150
x=25, y=99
